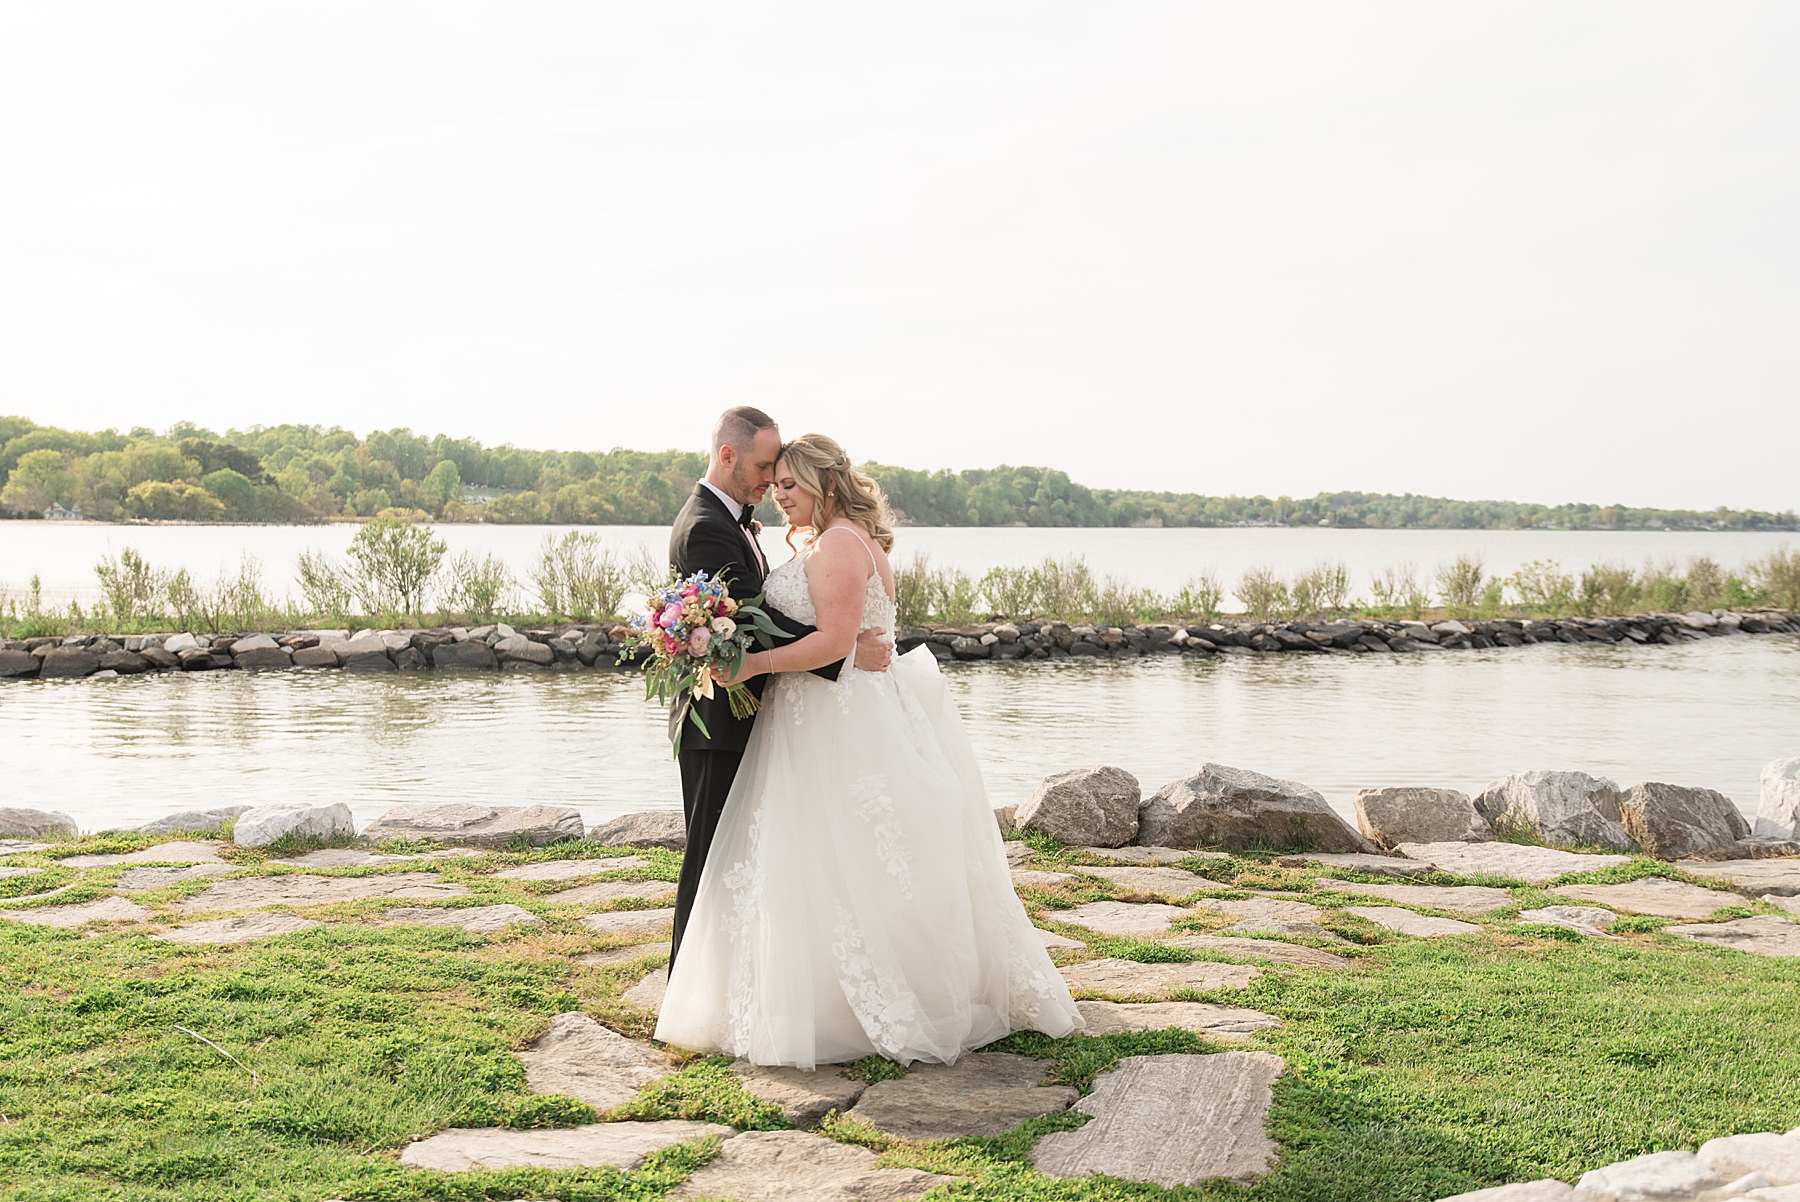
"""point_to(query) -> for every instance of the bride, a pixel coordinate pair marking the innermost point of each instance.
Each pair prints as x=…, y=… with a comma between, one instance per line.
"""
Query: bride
x=856, y=899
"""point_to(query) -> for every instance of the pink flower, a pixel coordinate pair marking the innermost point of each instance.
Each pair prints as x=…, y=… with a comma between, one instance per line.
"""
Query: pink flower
x=670, y=615
x=671, y=644
x=697, y=641
x=688, y=590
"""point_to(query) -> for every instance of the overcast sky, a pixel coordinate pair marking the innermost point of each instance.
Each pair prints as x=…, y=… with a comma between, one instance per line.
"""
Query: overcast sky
x=1534, y=251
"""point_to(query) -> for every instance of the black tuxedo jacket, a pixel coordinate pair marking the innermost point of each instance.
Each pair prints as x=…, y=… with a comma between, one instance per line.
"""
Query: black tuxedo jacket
x=707, y=538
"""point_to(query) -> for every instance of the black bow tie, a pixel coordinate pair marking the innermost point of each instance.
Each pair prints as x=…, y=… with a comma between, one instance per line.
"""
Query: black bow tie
x=744, y=518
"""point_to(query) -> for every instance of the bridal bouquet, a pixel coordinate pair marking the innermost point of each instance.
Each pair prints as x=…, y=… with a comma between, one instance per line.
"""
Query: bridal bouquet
x=692, y=626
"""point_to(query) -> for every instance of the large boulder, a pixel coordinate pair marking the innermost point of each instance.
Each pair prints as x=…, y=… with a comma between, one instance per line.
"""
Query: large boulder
x=651, y=828
x=1778, y=814
x=1678, y=822
x=1412, y=814
x=474, y=825
x=1239, y=809
x=19, y=823
x=1558, y=807
x=469, y=656
x=262, y=825
x=1084, y=807
x=519, y=649
x=69, y=661
x=18, y=663
x=192, y=822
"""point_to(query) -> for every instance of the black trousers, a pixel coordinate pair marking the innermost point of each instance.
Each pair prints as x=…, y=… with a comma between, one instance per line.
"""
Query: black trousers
x=706, y=777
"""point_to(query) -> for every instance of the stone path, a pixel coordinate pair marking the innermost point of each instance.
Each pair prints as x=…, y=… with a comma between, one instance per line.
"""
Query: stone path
x=1151, y=855
x=1221, y=1022
x=1052, y=941
x=1766, y=934
x=648, y=993
x=1128, y=978
x=1515, y=861
x=804, y=1096
x=138, y=880
x=1025, y=878
x=621, y=1145
x=19, y=847
x=1586, y=920
x=1358, y=861
x=1760, y=1167
x=579, y=1057
x=1263, y=909
x=7, y=872
x=241, y=929
x=984, y=1093
x=1458, y=899
x=623, y=955
x=568, y=870
x=1754, y=877
x=605, y=892
x=1655, y=895
x=181, y=852
x=477, y=920
x=616, y=922
x=301, y=889
x=793, y=1166
x=1159, y=882
x=1275, y=927
x=1408, y=923
x=107, y=909
x=1126, y=919
x=1261, y=949
x=1171, y=1120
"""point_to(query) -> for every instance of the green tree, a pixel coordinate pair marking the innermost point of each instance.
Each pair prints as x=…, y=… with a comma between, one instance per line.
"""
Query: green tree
x=234, y=491
x=442, y=485
x=40, y=478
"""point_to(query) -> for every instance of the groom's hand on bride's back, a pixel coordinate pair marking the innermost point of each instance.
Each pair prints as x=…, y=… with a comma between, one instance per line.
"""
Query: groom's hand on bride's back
x=874, y=650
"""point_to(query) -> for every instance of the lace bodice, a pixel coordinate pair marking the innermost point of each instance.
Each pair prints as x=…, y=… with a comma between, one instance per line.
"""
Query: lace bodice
x=786, y=589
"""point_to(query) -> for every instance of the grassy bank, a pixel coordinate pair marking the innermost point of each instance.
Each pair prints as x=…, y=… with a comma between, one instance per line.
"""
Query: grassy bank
x=1425, y=1068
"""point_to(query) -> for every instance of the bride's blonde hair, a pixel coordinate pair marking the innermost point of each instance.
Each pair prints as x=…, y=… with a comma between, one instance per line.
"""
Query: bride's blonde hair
x=823, y=472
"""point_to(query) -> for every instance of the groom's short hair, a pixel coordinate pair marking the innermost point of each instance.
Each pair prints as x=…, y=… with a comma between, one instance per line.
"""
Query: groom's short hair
x=737, y=428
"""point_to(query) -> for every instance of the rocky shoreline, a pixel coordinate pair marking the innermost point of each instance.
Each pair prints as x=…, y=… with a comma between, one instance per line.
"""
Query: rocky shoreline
x=499, y=647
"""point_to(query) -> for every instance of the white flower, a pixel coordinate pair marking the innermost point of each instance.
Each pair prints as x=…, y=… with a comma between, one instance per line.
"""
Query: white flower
x=724, y=627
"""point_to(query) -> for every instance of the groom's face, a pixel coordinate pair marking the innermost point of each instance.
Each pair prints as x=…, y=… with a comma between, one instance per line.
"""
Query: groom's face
x=753, y=468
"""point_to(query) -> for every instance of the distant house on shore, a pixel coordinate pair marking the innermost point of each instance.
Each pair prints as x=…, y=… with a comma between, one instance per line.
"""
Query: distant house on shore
x=56, y=513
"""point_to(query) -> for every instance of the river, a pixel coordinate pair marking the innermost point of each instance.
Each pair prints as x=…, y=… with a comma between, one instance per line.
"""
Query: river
x=120, y=752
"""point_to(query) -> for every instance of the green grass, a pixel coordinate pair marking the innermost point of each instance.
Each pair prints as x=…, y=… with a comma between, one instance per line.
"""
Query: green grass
x=1424, y=1069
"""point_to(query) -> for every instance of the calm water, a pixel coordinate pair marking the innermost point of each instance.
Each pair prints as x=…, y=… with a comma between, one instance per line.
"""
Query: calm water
x=63, y=555
x=124, y=751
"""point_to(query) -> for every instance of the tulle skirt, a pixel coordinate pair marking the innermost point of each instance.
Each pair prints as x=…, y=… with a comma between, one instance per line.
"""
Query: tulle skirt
x=856, y=899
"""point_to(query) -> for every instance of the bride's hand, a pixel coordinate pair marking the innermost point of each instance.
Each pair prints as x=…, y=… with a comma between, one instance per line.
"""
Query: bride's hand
x=747, y=668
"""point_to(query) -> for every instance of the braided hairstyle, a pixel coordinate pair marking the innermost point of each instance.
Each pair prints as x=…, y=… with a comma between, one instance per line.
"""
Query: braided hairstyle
x=824, y=472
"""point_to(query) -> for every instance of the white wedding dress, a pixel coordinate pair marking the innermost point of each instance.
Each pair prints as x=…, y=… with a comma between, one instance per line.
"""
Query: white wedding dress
x=856, y=899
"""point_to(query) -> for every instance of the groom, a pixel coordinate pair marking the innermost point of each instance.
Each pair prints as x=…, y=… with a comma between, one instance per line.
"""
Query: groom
x=714, y=533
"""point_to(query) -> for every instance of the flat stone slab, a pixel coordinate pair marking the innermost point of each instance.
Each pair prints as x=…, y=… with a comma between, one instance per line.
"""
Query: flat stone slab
x=302, y=889
x=1408, y=923
x=1128, y=978
x=579, y=1057
x=1790, y=904
x=477, y=920
x=569, y=870
x=1017, y=852
x=1458, y=899
x=1171, y=1120
x=1775, y=1156
x=475, y=825
x=597, y=1145
x=804, y=1097
x=985, y=1093
x=136, y=880
x=6, y=872
x=1753, y=877
x=107, y=909
x=1765, y=934
x=1160, y=882
x=1051, y=940
x=19, y=847
x=616, y=922
x=648, y=993
x=342, y=857
x=1025, y=878
x=1584, y=920
x=1263, y=909
x=1144, y=920
x=1261, y=949
x=1257, y=928
x=241, y=929
x=1547, y=1189
x=177, y=852
x=623, y=955
x=1656, y=1175
x=1663, y=898
x=1358, y=861
x=1513, y=861
x=1220, y=1022
x=1152, y=855
x=603, y=893
x=796, y=1166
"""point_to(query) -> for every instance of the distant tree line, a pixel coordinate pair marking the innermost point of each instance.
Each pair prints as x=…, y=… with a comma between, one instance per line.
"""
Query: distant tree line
x=293, y=473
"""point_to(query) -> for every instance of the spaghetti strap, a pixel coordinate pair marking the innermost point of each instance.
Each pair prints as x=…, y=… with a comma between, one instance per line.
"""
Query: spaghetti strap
x=859, y=538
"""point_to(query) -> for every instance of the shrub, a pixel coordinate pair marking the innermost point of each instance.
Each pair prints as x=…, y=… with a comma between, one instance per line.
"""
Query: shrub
x=1397, y=590
x=1013, y=592
x=1608, y=589
x=1777, y=577
x=132, y=587
x=394, y=563
x=238, y=602
x=1461, y=584
x=1323, y=589
x=1542, y=586
x=479, y=588
x=327, y=589
x=923, y=592
x=1069, y=591
x=1199, y=598
x=579, y=578
x=1264, y=594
